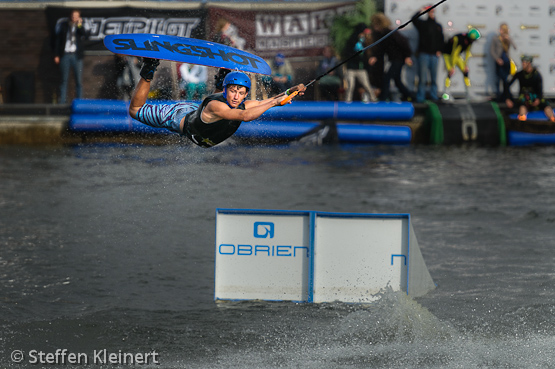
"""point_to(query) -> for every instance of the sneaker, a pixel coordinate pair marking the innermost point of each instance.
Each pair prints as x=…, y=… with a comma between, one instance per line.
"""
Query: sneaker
x=148, y=69
x=522, y=117
x=467, y=81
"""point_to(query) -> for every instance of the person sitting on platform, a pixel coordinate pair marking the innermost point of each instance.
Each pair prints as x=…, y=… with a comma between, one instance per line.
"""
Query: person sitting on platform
x=330, y=83
x=215, y=119
x=282, y=74
x=530, y=95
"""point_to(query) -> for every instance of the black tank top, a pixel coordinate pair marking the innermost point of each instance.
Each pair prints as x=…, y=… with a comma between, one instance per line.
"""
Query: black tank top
x=210, y=134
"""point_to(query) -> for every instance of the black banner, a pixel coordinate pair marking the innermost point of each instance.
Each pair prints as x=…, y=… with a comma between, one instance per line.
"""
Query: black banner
x=111, y=21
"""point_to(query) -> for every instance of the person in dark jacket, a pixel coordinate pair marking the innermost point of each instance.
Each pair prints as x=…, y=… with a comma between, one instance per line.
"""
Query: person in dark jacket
x=398, y=52
x=214, y=120
x=430, y=46
x=69, y=52
x=530, y=95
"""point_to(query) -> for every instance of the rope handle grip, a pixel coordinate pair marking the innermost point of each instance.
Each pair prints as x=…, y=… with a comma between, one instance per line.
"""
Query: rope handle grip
x=288, y=98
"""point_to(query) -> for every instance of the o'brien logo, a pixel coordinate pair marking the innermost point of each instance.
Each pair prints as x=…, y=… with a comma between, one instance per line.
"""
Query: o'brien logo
x=264, y=230
x=190, y=50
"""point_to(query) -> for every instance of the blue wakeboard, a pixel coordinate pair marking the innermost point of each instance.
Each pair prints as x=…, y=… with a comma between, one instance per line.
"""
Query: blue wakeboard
x=186, y=50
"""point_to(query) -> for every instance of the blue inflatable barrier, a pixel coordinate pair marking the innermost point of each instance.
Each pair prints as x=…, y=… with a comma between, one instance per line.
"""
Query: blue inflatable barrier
x=516, y=138
x=298, y=110
x=288, y=122
x=322, y=110
x=99, y=123
x=275, y=129
x=85, y=106
x=93, y=123
x=373, y=133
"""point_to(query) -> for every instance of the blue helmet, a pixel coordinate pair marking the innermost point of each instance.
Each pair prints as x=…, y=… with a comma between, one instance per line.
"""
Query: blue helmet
x=237, y=78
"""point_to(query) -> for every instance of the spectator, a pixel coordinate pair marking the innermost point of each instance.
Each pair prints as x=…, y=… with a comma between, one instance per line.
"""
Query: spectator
x=531, y=91
x=127, y=69
x=356, y=66
x=329, y=84
x=376, y=65
x=193, y=80
x=69, y=52
x=411, y=73
x=226, y=34
x=282, y=74
x=430, y=46
x=500, y=52
x=398, y=52
x=453, y=51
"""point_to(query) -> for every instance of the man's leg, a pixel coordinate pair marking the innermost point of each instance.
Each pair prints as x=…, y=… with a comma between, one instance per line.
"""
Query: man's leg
x=364, y=79
x=422, y=77
x=522, y=112
x=434, y=62
x=64, y=69
x=548, y=111
x=350, y=77
x=78, y=75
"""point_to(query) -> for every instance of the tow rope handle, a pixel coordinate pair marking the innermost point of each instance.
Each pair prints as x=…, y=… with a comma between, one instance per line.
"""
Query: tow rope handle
x=289, y=98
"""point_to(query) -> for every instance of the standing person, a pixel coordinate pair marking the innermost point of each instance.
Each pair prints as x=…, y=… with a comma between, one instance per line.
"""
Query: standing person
x=214, y=120
x=330, y=84
x=193, y=80
x=226, y=34
x=282, y=74
x=500, y=49
x=411, y=73
x=69, y=52
x=430, y=46
x=398, y=52
x=127, y=69
x=356, y=67
x=530, y=95
x=453, y=54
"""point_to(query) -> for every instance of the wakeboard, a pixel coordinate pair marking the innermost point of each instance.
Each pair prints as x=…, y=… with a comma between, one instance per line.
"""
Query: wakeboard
x=186, y=50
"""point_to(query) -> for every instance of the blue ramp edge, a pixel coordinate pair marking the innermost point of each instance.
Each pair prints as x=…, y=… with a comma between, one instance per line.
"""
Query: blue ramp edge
x=533, y=115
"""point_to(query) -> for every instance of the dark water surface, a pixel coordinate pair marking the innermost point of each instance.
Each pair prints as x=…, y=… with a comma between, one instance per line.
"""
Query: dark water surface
x=112, y=248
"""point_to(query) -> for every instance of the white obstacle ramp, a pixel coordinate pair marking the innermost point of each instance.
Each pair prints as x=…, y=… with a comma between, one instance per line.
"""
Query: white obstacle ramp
x=309, y=256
